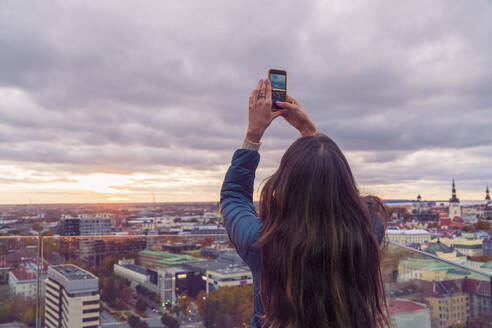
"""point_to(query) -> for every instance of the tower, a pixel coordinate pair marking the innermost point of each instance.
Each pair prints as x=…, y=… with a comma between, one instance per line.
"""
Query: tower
x=487, y=195
x=72, y=297
x=454, y=208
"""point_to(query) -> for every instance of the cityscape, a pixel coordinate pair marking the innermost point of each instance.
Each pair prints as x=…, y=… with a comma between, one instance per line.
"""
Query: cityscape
x=121, y=120
x=172, y=265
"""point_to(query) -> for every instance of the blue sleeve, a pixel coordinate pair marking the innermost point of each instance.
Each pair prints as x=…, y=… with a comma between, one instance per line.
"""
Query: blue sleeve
x=236, y=202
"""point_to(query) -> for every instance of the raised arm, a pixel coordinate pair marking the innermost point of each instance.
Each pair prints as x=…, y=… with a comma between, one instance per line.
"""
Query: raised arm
x=236, y=197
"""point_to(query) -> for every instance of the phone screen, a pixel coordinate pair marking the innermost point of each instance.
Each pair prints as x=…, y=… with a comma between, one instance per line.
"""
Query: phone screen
x=278, y=81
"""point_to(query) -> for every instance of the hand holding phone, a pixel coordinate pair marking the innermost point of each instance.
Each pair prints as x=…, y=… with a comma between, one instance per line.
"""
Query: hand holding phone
x=278, y=81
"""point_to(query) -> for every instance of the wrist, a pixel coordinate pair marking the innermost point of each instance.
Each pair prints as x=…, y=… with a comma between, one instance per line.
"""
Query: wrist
x=308, y=131
x=254, y=136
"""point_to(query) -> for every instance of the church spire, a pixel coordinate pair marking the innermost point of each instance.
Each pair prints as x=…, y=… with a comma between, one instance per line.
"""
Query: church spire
x=453, y=198
x=487, y=195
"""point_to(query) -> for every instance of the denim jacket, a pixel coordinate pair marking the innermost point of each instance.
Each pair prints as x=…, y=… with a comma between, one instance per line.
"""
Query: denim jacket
x=242, y=222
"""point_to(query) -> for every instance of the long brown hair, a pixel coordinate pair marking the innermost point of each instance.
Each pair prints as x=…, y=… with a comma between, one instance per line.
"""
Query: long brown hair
x=320, y=258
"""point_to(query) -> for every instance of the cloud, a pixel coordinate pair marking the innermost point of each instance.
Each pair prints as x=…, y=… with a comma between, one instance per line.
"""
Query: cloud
x=118, y=88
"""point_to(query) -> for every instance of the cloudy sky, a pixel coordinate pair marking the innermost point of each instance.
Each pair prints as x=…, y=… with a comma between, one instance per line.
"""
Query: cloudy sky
x=119, y=100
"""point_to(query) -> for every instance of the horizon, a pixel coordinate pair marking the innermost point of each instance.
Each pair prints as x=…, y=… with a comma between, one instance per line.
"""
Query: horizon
x=110, y=102
x=394, y=200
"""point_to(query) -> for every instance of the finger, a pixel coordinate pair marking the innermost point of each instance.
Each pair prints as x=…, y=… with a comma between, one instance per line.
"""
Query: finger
x=278, y=113
x=258, y=86
x=284, y=104
x=268, y=90
x=291, y=100
x=263, y=87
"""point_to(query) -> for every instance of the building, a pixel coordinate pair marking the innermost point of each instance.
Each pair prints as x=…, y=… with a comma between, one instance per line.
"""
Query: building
x=82, y=225
x=164, y=260
x=480, y=299
x=487, y=247
x=454, y=208
x=226, y=271
x=96, y=249
x=179, y=248
x=469, y=247
x=465, y=246
x=72, y=297
x=449, y=304
x=134, y=273
x=444, y=251
x=408, y=236
x=487, y=194
x=23, y=280
x=93, y=250
x=408, y=314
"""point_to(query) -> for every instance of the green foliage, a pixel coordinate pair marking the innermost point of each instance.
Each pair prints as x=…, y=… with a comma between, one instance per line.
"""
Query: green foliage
x=141, y=305
x=141, y=290
x=114, y=290
x=169, y=321
x=135, y=322
x=226, y=307
x=17, y=309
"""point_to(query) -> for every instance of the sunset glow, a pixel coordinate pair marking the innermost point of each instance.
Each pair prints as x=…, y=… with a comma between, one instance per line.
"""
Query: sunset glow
x=105, y=183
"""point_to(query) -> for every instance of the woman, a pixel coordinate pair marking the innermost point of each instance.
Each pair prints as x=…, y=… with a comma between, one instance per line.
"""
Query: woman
x=314, y=249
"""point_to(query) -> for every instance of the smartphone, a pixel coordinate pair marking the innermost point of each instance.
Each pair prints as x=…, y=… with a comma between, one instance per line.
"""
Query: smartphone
x=278, y=80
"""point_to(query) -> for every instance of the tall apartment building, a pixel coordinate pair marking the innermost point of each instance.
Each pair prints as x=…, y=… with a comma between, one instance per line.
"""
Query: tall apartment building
x=72, y=297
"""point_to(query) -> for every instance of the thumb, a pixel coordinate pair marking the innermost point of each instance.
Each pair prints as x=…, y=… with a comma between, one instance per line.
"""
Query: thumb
x=286, y=105
x=279, y=113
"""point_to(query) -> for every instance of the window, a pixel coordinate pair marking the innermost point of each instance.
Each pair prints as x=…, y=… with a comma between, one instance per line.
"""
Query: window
x=91, y=310
x=90, y=319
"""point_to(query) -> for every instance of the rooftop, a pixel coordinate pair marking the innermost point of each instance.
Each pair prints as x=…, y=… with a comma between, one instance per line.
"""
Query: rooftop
x=402, y=306
x=170, y=259
x=407, y=231
x=21, y=273
x=220, y=267
x=72, y=272
x=135, y=268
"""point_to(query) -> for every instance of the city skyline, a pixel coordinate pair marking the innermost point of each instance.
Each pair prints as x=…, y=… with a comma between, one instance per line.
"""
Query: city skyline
x=110, y=102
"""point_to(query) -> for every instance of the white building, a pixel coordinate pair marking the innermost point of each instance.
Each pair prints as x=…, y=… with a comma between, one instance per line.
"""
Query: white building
x=134, y=273
x=408, y=236
x=23, y=280
x=72, y=297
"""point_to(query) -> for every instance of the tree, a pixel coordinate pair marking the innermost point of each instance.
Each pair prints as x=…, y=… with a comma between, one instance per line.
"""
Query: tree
x=141, y=305
x=126, y=294
x=226, y=307
x=482, y=225
x=169, y=321
x=133, y=320
x=109, y=291
x=29, y=316
x=37, y=227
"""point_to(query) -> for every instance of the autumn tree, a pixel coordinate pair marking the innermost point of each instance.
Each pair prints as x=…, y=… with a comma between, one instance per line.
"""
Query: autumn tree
x=226, y=307
x=37, y=227
x=141, y=305
x=169, y=321
x=482, y=225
